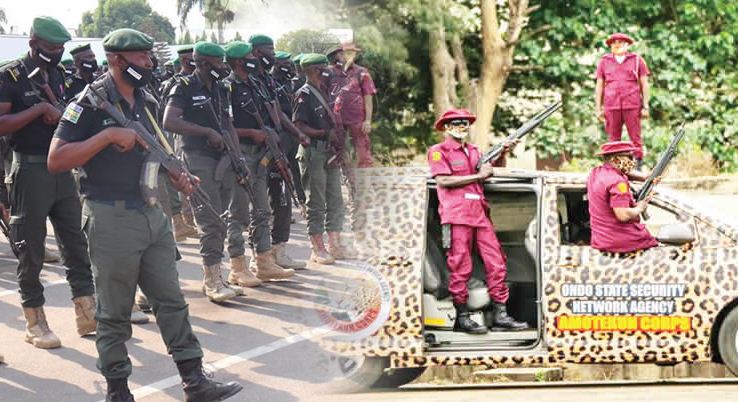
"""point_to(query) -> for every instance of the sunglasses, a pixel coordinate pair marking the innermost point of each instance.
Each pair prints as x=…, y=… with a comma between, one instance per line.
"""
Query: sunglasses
x=458, y=123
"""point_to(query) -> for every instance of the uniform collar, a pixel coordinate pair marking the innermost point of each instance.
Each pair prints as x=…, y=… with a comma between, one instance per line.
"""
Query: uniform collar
x=612, y=56
x=450, y=144
x=610, y=167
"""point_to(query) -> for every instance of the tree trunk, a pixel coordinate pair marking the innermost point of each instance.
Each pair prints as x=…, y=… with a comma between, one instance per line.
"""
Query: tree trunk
x=442, y=71
x=498, y=59
x=221, y=27
x=462, y=71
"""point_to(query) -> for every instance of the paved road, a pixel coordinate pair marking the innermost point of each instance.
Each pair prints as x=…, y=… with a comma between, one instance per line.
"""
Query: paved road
x=651, y=393
x=266, y=340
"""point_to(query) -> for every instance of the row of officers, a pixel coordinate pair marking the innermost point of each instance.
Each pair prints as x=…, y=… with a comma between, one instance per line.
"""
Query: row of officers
x=114, y=241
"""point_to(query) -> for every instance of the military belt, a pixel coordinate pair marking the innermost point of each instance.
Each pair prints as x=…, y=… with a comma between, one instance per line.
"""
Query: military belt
x=319, y=144
x=25, y=158
x=122, y=204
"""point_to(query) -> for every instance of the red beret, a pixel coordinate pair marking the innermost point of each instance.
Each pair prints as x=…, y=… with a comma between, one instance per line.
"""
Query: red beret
x=454, y=114
x=619, y=36
x=616, y=147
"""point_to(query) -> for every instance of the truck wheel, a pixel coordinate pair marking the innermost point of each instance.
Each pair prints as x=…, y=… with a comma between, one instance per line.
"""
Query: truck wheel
x=356, y=373
x=360, y=373
x=728, y=341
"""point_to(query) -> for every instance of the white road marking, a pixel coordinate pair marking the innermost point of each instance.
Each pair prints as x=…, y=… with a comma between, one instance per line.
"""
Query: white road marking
x=226, y=362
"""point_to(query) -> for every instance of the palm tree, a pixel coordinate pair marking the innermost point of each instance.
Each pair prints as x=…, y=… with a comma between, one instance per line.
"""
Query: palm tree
x=216, y=12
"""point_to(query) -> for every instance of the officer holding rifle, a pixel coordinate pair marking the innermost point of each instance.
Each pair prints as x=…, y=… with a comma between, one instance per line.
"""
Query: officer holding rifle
x=131, y=242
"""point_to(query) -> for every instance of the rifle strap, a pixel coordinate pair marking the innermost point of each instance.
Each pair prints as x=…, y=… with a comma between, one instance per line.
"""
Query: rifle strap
x=322, y=101
x=159, y=133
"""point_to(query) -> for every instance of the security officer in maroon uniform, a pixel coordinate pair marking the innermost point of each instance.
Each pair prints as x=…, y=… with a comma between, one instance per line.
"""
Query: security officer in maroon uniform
x=622, y=92
x=463, y=205
x=614, y=214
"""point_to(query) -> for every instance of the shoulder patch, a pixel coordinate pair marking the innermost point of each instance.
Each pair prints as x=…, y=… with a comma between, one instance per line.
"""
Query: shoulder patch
x=436, y=156
x=622, y=187
x=13, y=69
x=72, y=112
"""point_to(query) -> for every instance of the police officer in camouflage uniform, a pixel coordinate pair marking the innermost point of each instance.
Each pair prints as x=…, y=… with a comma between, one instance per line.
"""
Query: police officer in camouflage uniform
x=189, y=114
x=314, y=117
x=86, y=66
x=27, y=114
x=247, y=101
x=130, y=242
x=290, y=138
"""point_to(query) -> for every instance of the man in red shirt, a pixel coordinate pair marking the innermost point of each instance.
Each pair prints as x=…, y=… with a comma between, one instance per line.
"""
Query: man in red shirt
x=621, y=92
x=462, y=204
x=352, y=90
x=614, y=214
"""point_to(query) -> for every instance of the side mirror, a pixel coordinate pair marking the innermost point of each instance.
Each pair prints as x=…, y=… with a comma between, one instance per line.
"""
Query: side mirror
x=676, y=234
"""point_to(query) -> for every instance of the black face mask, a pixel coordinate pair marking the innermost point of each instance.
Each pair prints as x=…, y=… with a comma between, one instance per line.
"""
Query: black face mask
x=250, y=64
x=217, y=73
x=287, y=72
x=191, y=63
x=137, y=76
x=51, y=59
x=88, y=66
x=326, y=74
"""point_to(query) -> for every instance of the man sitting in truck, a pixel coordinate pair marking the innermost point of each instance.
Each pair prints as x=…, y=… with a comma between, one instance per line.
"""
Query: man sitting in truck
x=614, y=213
x=462, y=205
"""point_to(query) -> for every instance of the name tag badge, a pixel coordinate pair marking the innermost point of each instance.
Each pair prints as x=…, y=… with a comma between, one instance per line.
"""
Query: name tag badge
x=470, y=196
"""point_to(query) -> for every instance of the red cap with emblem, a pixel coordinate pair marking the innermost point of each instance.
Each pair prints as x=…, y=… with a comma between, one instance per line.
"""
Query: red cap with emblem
x=619, y=36
x=616, y=147
x=454, y=114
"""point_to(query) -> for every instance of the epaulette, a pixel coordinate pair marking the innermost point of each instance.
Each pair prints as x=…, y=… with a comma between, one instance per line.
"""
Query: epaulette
x=13, y=69
x=183, y=80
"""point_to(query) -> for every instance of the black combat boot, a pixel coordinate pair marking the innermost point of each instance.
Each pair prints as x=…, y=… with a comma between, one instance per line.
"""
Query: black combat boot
x=199, y=388
x=118, y=390
x=496, y=318
x=464, y=323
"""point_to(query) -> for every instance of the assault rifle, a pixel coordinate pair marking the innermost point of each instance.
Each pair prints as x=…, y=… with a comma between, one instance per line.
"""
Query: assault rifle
x=280, y=161
x=39, y=83
x=15, y=246
x=496, y=151
x=660, y=168
x=159, y=154
x=232, y=149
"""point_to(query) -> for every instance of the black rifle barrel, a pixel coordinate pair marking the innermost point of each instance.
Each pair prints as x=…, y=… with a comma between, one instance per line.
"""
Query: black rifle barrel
x=521, y=132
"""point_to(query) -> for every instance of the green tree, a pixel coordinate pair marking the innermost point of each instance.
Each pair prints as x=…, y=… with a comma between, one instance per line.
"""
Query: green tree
x=238, y=37
x=186, y=39
x=306, y=41
x=114, y=14
x=3, y=20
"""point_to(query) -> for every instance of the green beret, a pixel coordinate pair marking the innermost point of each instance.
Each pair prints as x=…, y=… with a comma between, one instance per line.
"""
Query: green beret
x=209, y=49
x=334, y=49
x=50, y=29
x=312, y=59
x=80, y=49
x=237, y=49
x=260, y=40
x=280, y=55
x=184, y=50
x=66, y=62
x=105, y=62
x=296, y=59
x=127, y=40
